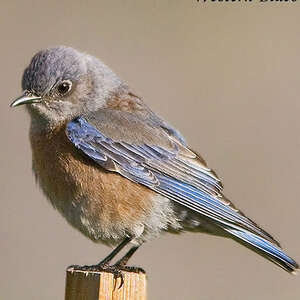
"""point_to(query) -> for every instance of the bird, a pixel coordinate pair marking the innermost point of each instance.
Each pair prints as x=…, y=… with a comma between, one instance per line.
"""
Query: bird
x=117, y=171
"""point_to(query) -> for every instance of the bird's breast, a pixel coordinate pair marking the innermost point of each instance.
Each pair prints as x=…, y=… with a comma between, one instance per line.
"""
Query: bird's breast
x=101, y=204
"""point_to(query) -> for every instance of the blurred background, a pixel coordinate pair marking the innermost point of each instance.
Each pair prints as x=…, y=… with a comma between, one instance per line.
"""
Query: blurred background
x=226, y=75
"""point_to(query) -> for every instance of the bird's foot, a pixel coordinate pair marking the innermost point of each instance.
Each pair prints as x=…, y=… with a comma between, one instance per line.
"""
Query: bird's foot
x=131, y=269
x=116, y=270
x=99, y=268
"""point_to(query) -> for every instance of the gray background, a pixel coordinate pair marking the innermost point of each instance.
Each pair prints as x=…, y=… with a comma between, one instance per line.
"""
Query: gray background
x=226, y=75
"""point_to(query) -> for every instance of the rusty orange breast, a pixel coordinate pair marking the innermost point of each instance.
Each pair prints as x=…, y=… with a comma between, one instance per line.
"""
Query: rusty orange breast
x=71, y=180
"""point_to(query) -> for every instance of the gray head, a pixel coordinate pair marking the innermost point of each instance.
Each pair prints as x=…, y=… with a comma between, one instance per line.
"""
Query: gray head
x=61, y=83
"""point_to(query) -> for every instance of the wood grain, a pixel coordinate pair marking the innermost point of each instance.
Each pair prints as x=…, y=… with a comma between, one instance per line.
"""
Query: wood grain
x=94, y=285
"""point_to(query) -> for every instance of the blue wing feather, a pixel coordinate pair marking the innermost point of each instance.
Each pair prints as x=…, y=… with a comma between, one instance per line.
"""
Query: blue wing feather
x=155, y=163
x=183, y=181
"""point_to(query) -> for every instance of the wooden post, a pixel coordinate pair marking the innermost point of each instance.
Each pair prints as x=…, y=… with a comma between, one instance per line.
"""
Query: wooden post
x=92, y=285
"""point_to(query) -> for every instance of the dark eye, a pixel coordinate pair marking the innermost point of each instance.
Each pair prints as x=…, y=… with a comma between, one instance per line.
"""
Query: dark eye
x=64, y=87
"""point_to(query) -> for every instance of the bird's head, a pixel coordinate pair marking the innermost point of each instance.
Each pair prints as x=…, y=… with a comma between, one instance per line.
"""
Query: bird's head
x=61, y=83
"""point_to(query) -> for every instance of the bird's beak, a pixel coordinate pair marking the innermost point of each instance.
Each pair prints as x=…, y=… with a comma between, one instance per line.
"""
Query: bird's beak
x=26, y=98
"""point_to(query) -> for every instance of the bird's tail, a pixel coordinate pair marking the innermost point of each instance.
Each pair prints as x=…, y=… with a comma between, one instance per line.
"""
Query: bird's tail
x=264, y=248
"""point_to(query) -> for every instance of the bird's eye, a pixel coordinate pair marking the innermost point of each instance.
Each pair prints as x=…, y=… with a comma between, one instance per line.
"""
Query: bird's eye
x=64, y=87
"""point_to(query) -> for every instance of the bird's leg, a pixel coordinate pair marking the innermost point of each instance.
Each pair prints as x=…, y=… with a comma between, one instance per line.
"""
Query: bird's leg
x=104, y=264
x=124, y=260
x=122, y=263
x=110, y=256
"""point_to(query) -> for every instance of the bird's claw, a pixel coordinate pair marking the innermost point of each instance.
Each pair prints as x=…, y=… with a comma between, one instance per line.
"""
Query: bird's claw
x=114, y=269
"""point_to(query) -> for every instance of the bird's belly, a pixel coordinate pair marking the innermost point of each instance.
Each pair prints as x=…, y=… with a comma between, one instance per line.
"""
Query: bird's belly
x=102, y=205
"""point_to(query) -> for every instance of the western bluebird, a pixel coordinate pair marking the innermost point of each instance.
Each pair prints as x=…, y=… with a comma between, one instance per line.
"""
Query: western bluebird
x=114, y=169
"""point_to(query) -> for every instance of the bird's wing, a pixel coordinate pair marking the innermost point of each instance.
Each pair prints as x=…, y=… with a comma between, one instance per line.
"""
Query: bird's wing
x=146, y=153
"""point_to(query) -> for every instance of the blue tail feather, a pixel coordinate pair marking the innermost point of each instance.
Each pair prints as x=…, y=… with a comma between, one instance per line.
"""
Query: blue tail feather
x=265, y=248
